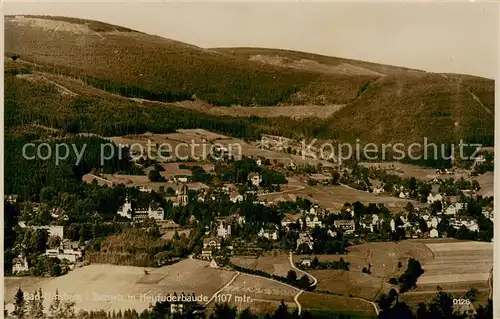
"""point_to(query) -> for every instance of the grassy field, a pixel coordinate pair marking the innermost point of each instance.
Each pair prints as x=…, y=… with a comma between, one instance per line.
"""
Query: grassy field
x=260, y=288
x=383, y=256
x=486, y=182
x=293, y=111
x=334, y=197
x=408, y=170
x=348, y=283
x=456, y=263
x=337, y=304
x=457, y=267
x=276, y=265
x=188, y=276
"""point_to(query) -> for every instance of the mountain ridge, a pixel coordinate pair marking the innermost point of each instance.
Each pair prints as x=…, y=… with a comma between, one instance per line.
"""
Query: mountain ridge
x=381, y=103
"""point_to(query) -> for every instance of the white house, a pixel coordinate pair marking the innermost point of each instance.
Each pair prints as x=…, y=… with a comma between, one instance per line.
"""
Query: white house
x=471, y=225
x=145, y=189
x=255, y=179
x=72, y=255
x=433, y=222
x=211, y=242
x=331, y=233
x=313, y=222
x=488, y=214
x=433, y=233
x=305, y=238
x=213, y=264
x=269, y=234
x=291, y=165
x=306, y=261
x=236, y=197
x=378, y=190
x=136, y=214
x=393, y=225
x=19, y=264
x=434, y=198
x=348, y=226
x=223, y=231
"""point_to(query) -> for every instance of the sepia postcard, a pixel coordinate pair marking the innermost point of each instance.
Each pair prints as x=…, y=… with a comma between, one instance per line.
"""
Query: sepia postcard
x=282, y=160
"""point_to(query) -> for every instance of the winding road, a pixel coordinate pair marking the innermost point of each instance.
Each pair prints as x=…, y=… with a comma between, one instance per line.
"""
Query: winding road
x=315, y=281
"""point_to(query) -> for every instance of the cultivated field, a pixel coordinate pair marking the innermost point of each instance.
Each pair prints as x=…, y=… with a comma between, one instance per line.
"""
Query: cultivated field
x=457, y=263
x=188, y=276
x=276, y=265
x=457, y=267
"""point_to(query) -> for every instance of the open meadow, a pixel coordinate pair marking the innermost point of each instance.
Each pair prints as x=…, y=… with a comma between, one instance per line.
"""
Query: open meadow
x=486, y=182
x=419, y=172
x=322, y=303
x=347, y=283
x=84, y=285
x=257, y=287
x=276, y=265
x=383, y=256
x=335, y=196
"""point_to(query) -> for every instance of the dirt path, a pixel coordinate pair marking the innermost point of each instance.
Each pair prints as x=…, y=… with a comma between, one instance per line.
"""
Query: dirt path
x=299, y=188
x=315, y=281
x=40, y=76
x=224, y=287
x=479, y=101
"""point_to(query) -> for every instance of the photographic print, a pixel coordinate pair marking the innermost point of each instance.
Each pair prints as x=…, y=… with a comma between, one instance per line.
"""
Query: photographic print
x=249, y=160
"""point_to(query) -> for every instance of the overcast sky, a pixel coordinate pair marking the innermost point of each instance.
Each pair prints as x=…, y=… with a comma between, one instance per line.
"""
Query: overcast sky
x=439, y=37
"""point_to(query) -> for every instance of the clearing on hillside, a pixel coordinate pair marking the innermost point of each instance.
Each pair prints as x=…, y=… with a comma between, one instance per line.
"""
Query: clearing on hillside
x=84, y=285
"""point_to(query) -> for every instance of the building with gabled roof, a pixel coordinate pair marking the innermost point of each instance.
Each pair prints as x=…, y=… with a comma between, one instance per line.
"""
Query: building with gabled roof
x=153, y=211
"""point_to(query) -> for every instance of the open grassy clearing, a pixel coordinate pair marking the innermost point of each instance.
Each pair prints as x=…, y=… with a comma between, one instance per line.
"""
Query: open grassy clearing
x=257, y=306
x=383, y=256
x=276, y=265
x=169, y=234
x=334, y=197
x=408, y=170
x=486, y=182
x=260, y=288
x=348, y=283
x=188, y=276
x=355, y=308
x=293, y=111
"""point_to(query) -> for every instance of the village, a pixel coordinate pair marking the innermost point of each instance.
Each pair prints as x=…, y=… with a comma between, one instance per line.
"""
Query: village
x=394, y=208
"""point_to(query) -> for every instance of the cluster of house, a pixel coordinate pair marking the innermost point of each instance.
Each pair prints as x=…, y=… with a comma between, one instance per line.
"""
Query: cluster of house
x=153, y=211
x=316, y=178
x=65, y=252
